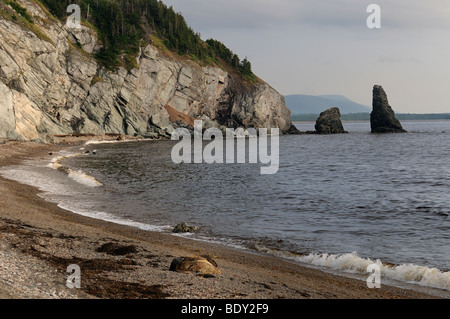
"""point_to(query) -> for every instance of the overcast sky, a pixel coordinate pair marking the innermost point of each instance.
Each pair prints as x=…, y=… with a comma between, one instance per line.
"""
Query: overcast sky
x=325, y=47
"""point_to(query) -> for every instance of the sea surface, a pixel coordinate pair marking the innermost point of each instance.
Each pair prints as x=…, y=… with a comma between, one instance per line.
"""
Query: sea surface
x=338, y=202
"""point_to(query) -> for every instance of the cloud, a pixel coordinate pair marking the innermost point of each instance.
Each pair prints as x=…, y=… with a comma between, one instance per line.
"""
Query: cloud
x=236, y=13
x=325, y=47
x=214, y=14
x=389, y=59
x=416, y=14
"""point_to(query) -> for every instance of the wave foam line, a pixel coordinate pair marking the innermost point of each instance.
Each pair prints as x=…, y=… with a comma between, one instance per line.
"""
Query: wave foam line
x=95, y=142
x=78, y=176
x=115, y=219
x=352, y=263
x=409, y=273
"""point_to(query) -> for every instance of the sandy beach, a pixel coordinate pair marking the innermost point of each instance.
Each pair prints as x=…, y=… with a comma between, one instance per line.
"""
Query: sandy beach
x=39, y=240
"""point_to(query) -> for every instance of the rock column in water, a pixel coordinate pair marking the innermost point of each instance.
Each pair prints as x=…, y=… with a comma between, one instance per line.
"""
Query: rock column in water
x=329, y=122
x=382, y=118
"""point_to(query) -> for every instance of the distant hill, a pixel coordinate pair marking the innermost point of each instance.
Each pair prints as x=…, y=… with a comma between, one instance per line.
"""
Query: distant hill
x=309, y=104
x=366, y=117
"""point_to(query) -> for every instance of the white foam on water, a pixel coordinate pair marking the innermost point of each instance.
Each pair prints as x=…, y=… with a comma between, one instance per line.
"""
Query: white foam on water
x=62, y=192
x=95, y=142
x=55, y=163
x=421, y=275
x=343, y=263
x=78, y=176
x=114, y=219
x=36, y=179
x=83, y=178
x=349, y=262
x=352, y=263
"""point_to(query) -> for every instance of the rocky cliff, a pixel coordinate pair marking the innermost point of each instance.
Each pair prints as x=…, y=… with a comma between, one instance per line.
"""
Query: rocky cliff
x=50, y=84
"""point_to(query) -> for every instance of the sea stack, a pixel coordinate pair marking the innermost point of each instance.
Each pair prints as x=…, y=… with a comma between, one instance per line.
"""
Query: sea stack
x=382, y=118
x=329, y=122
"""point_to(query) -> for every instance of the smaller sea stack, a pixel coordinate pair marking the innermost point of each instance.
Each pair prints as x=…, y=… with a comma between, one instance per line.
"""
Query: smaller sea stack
x=329, y=122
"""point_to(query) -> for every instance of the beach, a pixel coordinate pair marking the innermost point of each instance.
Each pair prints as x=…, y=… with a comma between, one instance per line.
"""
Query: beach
x=39, y=240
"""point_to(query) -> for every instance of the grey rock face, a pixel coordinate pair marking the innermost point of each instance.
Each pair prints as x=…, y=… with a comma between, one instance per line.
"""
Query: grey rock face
x=86, y=38
x=55, y=87
x=382, y=118
x=329, y=122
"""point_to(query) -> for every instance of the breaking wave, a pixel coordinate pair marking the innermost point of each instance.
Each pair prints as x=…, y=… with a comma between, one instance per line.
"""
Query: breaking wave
x=78, y=176
x=96, y=142
x=352, y=263
x=115, y=219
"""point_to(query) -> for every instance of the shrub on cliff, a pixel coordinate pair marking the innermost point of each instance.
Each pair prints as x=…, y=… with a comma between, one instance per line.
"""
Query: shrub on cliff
x=124, y=25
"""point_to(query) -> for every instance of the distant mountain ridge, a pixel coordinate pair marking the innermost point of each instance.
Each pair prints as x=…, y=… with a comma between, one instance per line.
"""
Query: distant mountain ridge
x=310, y=104
x=366, y=117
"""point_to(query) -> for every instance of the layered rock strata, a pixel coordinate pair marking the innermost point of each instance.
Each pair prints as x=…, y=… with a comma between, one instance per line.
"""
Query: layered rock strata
x=50, y=84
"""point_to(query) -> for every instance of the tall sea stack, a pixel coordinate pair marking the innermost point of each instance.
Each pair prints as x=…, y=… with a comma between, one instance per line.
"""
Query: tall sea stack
x=382, y=118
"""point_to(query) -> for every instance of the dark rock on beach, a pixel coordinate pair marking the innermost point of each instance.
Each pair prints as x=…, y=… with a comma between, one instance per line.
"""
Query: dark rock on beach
x=329, y=122
x=382, y=118
x=185, y=228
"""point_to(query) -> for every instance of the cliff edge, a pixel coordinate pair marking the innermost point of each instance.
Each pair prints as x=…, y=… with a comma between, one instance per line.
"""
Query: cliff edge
x=51, y=84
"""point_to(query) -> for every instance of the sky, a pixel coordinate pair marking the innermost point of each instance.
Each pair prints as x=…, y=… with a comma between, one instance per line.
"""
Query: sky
x=320, y=47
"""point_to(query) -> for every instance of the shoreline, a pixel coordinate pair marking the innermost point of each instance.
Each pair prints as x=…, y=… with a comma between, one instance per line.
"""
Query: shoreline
x=42, y=236
x=368, y=121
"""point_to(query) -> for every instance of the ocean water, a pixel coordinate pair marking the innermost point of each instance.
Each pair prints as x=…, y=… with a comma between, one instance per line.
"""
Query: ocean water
x=338, y=202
